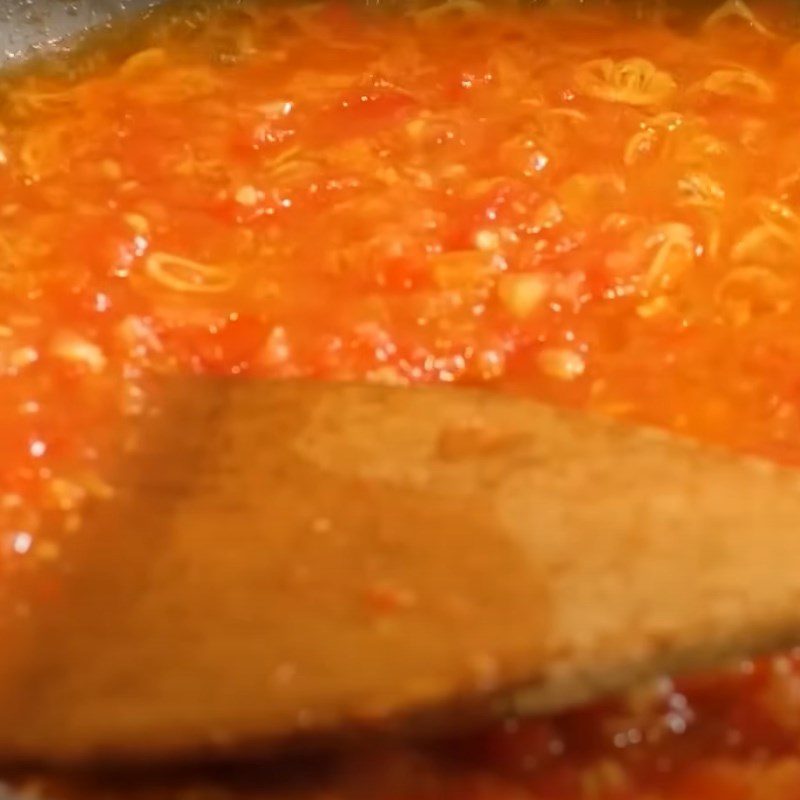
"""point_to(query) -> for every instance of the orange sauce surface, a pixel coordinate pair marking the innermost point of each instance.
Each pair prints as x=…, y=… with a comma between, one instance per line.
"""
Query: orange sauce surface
x=596, y=211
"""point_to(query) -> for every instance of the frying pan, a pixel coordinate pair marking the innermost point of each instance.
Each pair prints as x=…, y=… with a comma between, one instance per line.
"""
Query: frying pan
x=28, y=26
x=35, y=25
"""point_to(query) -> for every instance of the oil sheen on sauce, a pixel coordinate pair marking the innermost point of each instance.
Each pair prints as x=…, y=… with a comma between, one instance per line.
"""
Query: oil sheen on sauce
x=568, y=202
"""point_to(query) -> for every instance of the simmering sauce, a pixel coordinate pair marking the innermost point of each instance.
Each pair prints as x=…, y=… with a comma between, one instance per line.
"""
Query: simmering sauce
x=574, y=204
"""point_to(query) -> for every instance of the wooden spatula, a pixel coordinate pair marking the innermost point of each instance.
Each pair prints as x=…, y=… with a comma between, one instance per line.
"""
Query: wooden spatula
x=289, y=560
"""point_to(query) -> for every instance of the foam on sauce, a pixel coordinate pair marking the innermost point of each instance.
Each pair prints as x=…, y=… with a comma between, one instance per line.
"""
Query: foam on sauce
x=569, y=203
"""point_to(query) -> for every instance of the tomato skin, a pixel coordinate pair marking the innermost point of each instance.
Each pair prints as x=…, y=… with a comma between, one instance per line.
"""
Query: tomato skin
x=363, y=110
x=523, y=746
x=341, y=19
x=713, y=782
x=260, y=137
x=225, y=346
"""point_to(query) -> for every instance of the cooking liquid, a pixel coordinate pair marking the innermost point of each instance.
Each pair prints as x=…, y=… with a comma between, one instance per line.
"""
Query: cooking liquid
x=569, y=203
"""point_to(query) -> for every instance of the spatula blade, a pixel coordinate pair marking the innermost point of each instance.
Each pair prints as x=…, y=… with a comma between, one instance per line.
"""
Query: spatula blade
x=285, y=560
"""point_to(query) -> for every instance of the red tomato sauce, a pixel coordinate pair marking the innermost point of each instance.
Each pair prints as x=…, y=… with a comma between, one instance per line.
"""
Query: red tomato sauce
x=595, y=210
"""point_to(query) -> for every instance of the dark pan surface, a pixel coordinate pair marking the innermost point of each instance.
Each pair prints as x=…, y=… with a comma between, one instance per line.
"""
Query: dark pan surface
x=30, y=25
